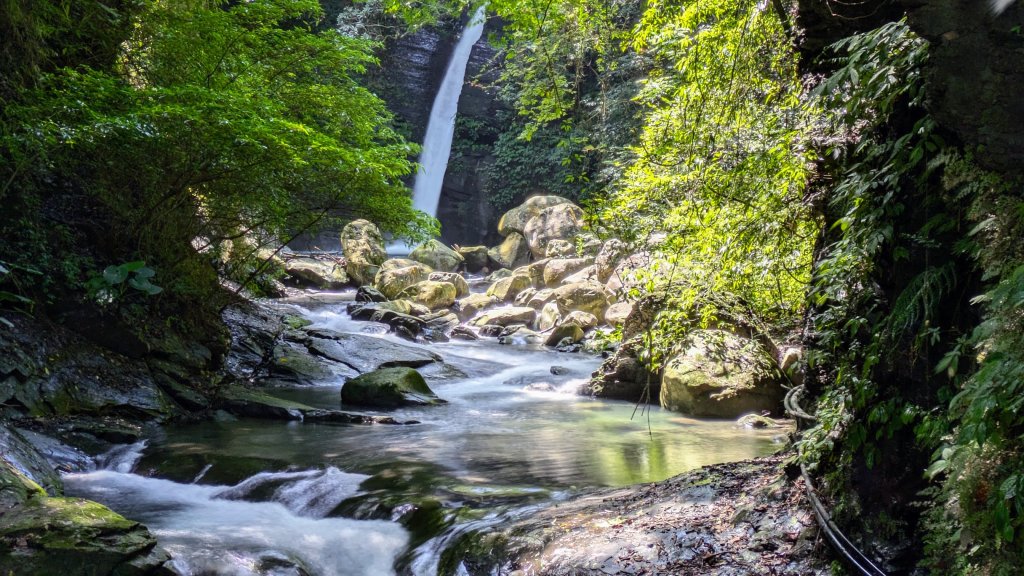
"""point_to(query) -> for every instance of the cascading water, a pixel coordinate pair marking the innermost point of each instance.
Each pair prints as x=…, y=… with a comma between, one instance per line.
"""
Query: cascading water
x=437, y=142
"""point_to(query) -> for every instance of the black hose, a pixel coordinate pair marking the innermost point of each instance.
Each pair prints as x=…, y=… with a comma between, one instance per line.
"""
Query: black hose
x=853, y=556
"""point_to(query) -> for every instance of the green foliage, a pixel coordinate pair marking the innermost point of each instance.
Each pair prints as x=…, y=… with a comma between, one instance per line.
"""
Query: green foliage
x=112, y=285
x=715, y=192
x=263, y=131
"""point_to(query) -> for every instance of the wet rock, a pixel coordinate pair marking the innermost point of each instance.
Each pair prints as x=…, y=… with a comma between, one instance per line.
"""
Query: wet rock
x=757, y=421
x=721, y=375
x=392, y=281
x=377, y=312
x=623, y=376
x=292, y=364
x=366, y=353
x=513, y=252
x=505, y=317
x=370, y=294
x=560, y=370
x=507, y=289
x=363, y=246
x=75, y=537
x=491, y=330
x=497, y=275
x=453, y=278
x=437, y=256
x=516, y=219
x=475, y=257
x=388, y=388
x=559, y=222
x=24, y=458
x=463, y=333
x=246, y=403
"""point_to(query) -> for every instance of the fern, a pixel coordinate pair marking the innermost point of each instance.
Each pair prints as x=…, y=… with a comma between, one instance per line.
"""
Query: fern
x=917, y=304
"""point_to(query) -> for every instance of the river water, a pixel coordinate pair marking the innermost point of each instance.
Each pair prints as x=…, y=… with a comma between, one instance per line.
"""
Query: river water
x=242, y=497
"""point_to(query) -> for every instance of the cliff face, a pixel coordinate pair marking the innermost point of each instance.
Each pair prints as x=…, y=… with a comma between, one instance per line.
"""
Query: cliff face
x=466, y=213
x=974, y=75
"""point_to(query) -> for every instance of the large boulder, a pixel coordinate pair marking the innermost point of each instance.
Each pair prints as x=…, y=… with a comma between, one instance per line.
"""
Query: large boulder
x=721, y=375
x=433, y=295
x=76, y=537
x=584, y=296
x=559, y=248
x=559, y=269
x=316, y=272
x=617, y=313
x=535, y=270
x=624, y=276
x=550, y=316
x=454, y=278
x=513, y=252
x=474, y=256
x=564, y=333
x=561, y=222
x=473, y=304
x=506, y=289
x=364, y=251
x=389, y=388
x=623, y=376
x=435, y=254
x=584, y=320
x=506, y=317
x=515, y=220
x=392, y=281
x=402, y=323
x=540, y=298
x=364, y=353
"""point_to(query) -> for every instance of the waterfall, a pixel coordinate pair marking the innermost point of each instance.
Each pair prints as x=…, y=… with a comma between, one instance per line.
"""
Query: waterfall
x=437, y=143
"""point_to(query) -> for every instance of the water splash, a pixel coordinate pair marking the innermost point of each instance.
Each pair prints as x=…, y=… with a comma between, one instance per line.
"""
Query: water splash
x=208, y=534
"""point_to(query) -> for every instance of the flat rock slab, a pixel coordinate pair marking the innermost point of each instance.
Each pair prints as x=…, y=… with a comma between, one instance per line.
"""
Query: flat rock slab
x=741, y=518
x=367, y=353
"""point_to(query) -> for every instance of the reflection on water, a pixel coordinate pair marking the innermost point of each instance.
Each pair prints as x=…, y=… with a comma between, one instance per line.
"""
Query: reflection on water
x=511, y=429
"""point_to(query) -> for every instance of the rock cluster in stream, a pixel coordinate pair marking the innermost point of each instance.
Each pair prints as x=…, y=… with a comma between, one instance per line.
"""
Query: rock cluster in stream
x=550, y=282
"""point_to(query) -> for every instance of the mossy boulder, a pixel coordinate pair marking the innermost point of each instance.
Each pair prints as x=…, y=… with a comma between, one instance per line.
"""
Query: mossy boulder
x=389, y=388
x=506, y=316
x=392, y=281
x=453, y=278
x=433, y=295
x=721, y=375
x=559, y=269
x=435, y=254
x=560, y=222
x=473, y=304
x=316, y=272
x=475, y=257
x=507, y=289
x=588, y=297
x=75, y=537
x=363, y=246
x=514, y=221
x=564, y=333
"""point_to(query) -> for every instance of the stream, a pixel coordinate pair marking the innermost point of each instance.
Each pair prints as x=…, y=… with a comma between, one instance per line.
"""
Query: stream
x=244, y=496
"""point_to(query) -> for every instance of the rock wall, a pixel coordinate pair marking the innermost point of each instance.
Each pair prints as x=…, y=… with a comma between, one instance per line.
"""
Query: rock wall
x=466, y=214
